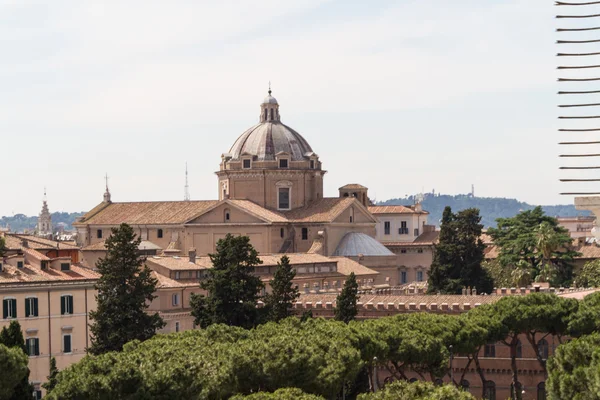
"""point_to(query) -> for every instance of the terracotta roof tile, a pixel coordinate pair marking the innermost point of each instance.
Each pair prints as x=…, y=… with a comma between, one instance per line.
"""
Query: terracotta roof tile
x=35, y=241
x=323, y=210
x=155, y=212
x=394, y=210
x=261, y=212
x=35, y=254
x=30, y=274
x=352, y=186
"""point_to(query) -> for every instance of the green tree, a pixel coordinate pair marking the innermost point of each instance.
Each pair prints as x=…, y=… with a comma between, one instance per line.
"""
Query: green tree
x=125, y=289
x=280, y=394
x=345, y=307
x=12, y=337
x=587, y=318
x=279, y=303
x=51, y=382
x=589, y=275
x=459, y=254
x=232, y=288
x=2, y=246
x=417, y=391
x=14, y=371
x=573, y=370
x=539, y=241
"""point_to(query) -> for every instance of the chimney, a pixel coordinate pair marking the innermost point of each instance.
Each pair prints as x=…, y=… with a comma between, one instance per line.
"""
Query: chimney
x=192, y=254
x=24, y=243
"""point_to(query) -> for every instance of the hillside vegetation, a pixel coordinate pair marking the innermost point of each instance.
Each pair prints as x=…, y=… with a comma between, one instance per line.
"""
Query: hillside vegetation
x=490, y=208
x=21, y=222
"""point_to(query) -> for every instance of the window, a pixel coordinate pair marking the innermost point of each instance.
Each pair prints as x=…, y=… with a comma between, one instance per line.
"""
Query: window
x=403, y=277
x=519, y=350
x=65, y=266
x=283, y=198
x=281, y=232
x=386, y=227
x=99, y=233
x=489, y=392
x=9, y=308
x=44, y=264
x=246, y=163
x=19, y=264
x=416, y=232
x=66, y=304
x=403, y=251
x=403, y=229
x=0, y=267
x=175, y=299
x=489, y=350
x=283, y=163
x=304, y=233
x=419, y=250
x=227, y=216
x=312, y=164
x=159, y=233
x=541, y=391
x=33, y=346
x=67, y=344
x=177, y=326
x=31, y=307
x=37, y=394
x=543, y=349
x=419, y=276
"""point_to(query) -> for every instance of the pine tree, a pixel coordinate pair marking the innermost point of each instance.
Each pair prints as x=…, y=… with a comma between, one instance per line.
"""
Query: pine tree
x=280, y=301
x=459, y=254
x=125, y=289
x=12, y=336
x=232, y=288
x=345, y=308
x=52, y=380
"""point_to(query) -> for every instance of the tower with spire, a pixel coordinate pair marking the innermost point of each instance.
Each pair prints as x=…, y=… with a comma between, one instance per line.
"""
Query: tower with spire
x=44, y=225
x=107, y=192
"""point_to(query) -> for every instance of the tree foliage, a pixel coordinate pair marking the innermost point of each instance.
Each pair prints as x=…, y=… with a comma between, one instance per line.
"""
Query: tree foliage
x=587, y=318
x=14, y=371
x=537, y=245
x=2, y=246
x=279, y=303
x=232, y=288
x=317, y=357
x=574, y=370
x=279, y=394
x=12, y=337
x=417, y=391
x=345, y=307
x=51, y=382
x=459, y=254
x=125, y=289
x=589, y=275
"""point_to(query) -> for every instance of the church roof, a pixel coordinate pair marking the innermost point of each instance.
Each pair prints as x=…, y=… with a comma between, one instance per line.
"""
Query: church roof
x=151, y=212
x=264, y=140
x=395, y=210
x=353, y=186
x=354, y=244
x=326, y=209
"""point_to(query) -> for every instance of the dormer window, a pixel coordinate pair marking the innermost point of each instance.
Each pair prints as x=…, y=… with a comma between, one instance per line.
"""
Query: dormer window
x=283, y=163
x=246, y=163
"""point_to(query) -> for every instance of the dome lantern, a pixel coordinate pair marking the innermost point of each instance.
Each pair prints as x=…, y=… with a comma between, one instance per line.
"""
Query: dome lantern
x=269, y=109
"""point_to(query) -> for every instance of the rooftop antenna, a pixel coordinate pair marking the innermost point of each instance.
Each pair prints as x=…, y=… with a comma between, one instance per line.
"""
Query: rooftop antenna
x=45, y=198
x=269, y=88
x=186, y=194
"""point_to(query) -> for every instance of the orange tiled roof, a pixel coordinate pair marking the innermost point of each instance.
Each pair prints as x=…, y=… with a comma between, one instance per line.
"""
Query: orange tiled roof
x=588, y=251
x=30, y=274
x=35, y=254
x=345, y=266
x=324, y=210
x=351, y=186
x=35, y=241
x=154, y=212
x=261, y=212
x=394, y=210
x=166, y=282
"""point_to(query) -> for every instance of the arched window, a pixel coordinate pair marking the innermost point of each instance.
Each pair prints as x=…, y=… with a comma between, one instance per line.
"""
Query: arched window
x=543, y=349
x=272, y=115
x=266, y=111
x=226, y=215
x=519, y=351
x=541, y=391
x=346, y=195
x=159, y=233
x=490, y=390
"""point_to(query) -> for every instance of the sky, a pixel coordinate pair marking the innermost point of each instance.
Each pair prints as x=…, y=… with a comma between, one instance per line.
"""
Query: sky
x=400, y=96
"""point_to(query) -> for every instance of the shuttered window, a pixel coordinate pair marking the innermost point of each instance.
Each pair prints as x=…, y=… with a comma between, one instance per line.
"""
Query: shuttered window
x=67, y=343
x=9, y=308
x=31, y=307
x=66, y=304
x=33, y=346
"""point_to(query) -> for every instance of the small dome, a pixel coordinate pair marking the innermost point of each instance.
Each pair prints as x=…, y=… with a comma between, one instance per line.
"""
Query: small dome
x=270, y=99
x=354, y=244
x=266, y=139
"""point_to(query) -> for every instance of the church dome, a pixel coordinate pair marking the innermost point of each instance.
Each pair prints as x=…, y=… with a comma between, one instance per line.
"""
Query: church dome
x=354, y=244
x=270, y=137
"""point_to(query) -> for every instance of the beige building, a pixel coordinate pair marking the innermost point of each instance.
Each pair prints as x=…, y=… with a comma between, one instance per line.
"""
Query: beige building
x=50, y=297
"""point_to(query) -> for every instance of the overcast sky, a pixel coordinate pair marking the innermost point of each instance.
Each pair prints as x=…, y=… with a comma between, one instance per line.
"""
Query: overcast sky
x=400, y=96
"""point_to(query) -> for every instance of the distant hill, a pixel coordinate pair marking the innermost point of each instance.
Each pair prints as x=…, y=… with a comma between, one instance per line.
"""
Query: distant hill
x=490, y=208
x=21, y=223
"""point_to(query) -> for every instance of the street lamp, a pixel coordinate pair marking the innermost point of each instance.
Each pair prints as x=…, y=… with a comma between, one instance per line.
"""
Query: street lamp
x=375, y=374
x=451, y=360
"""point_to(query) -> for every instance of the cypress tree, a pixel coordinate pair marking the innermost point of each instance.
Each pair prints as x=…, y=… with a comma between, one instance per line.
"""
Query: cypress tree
x=12, y=336
x=459, y=254
x=125, y=289
x=232, y=288
x=345, y=308
x=280, y=301
x=52, y=380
